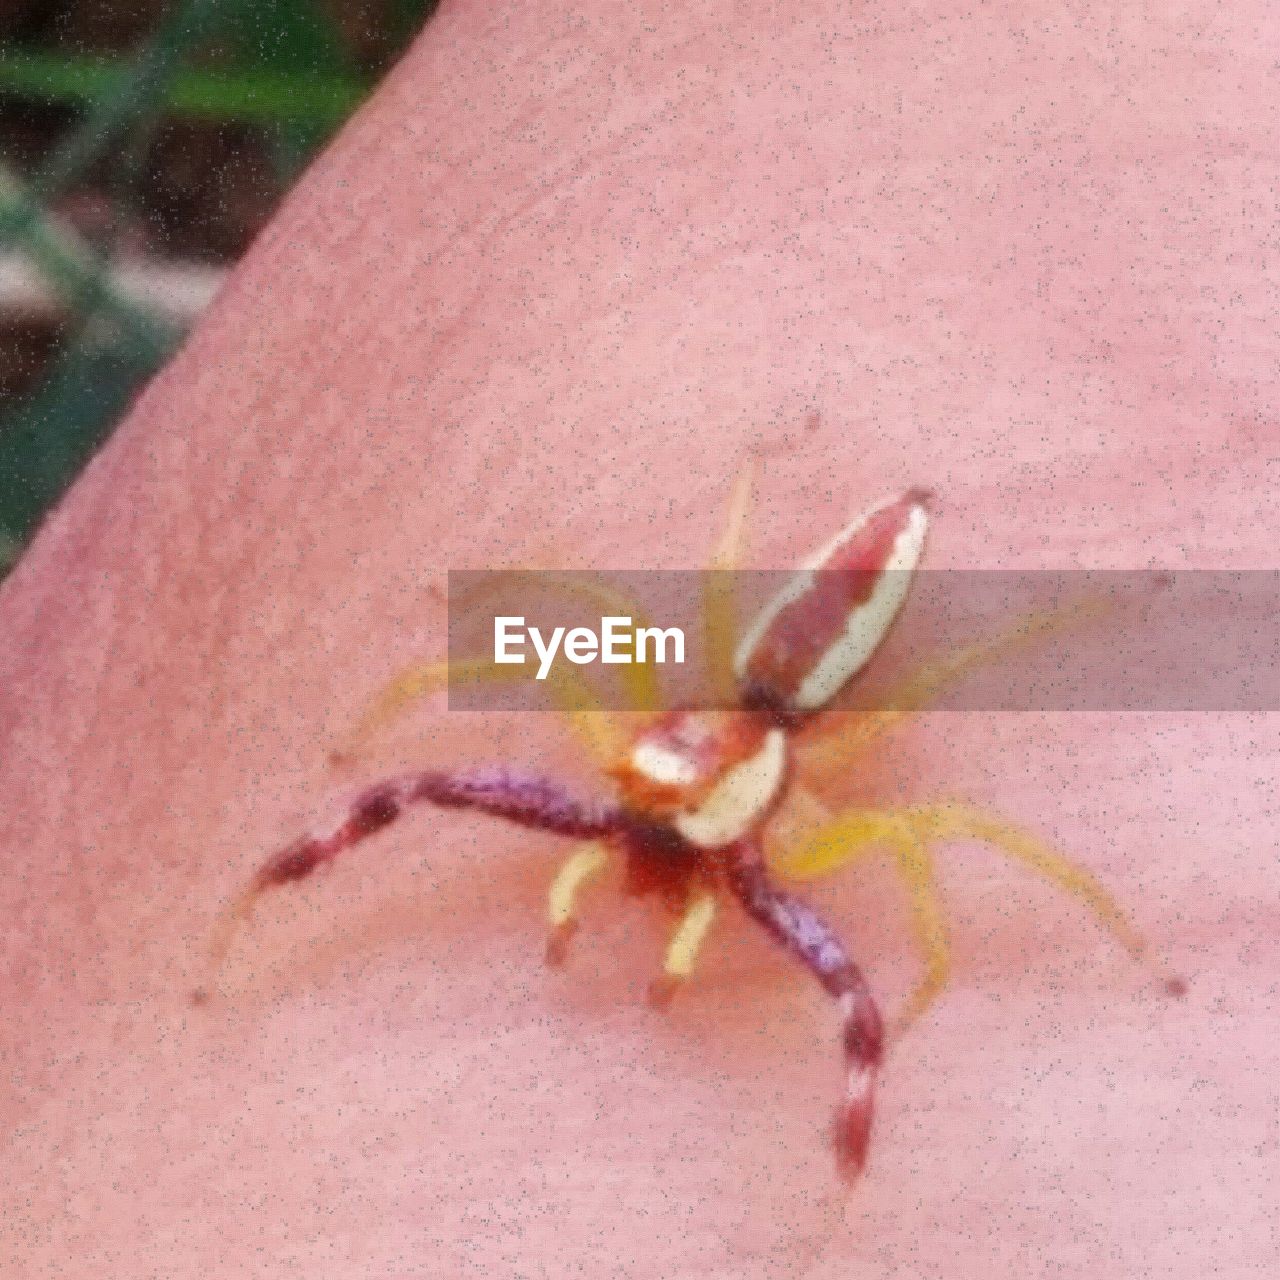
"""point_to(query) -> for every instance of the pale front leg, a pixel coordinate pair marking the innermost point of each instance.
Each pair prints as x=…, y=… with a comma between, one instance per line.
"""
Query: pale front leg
x=683, y=949
x=581, y=866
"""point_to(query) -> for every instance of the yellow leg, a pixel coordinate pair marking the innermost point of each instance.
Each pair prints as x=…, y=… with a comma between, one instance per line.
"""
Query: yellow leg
x=640, y=685
x=851, y=836
x=927, y=925
x=801, y=814
x=571, y=696
x=410, y=686
x=961, y=822
x=840, y=841
x=719, y=610
x=682, y=951
x=594, y=727
x=908, y=833
x=643, y=693
x=582, y=865
x=838, y=739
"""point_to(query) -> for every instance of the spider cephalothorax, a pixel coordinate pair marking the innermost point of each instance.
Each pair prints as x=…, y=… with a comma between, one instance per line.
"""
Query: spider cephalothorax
x=713, y=776
x=696, y=792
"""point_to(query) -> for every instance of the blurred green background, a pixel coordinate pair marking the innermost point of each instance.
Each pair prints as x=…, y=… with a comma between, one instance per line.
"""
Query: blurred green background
x=143, y=143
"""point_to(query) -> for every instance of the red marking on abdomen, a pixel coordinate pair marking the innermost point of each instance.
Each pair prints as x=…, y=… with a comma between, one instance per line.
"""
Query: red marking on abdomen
x=807, y=629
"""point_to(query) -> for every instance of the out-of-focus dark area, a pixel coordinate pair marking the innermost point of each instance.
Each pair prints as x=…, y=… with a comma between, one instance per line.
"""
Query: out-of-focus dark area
x=143, y=144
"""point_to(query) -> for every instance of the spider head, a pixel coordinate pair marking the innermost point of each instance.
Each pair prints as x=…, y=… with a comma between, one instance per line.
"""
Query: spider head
x=712, y=775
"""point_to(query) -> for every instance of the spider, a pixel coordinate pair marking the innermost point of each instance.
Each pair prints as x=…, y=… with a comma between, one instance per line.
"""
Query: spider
x=700, y=793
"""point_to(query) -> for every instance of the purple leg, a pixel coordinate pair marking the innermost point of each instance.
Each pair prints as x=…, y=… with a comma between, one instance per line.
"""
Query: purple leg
x=521, y=798
x=524, y=799
x=798, y=928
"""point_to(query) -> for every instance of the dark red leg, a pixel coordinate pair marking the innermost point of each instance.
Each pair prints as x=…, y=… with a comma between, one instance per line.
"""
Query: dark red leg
x=798, y=928
x=524, y=799
x=521, y=798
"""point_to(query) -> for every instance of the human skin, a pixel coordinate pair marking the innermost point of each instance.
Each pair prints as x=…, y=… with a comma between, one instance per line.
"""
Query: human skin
x=536, y=304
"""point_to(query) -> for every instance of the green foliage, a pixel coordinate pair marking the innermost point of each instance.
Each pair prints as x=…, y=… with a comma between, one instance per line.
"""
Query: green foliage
x=52, y=434
x=258, y=96
x=280, y=66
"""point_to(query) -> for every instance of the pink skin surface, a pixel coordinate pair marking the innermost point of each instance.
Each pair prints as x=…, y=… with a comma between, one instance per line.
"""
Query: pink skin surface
x=534, y=305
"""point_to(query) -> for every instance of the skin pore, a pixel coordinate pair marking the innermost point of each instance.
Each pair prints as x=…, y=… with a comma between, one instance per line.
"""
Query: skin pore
x=534, y=306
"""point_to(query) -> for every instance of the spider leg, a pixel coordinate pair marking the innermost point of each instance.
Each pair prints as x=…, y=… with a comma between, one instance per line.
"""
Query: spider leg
x=413, y=684
x=682, y=950
x=928, y=926
x=581, y=866
x=830, y=745
x=909, y=832
x=524, y=799
x=851, y=836
x=570, y=695
x=720, y=620
x=840, y=840
x=640, y=684
x=597, y=731
x=963, y=822
x=799, y=929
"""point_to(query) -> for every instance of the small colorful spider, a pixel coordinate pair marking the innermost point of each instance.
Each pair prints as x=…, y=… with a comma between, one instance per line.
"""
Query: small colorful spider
x=700, y=795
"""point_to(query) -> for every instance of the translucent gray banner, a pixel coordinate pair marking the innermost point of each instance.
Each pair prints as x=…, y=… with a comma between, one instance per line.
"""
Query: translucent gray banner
x=965, y=641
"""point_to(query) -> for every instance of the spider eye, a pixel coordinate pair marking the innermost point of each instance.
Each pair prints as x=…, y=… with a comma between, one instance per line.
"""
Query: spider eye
x=828, y=619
